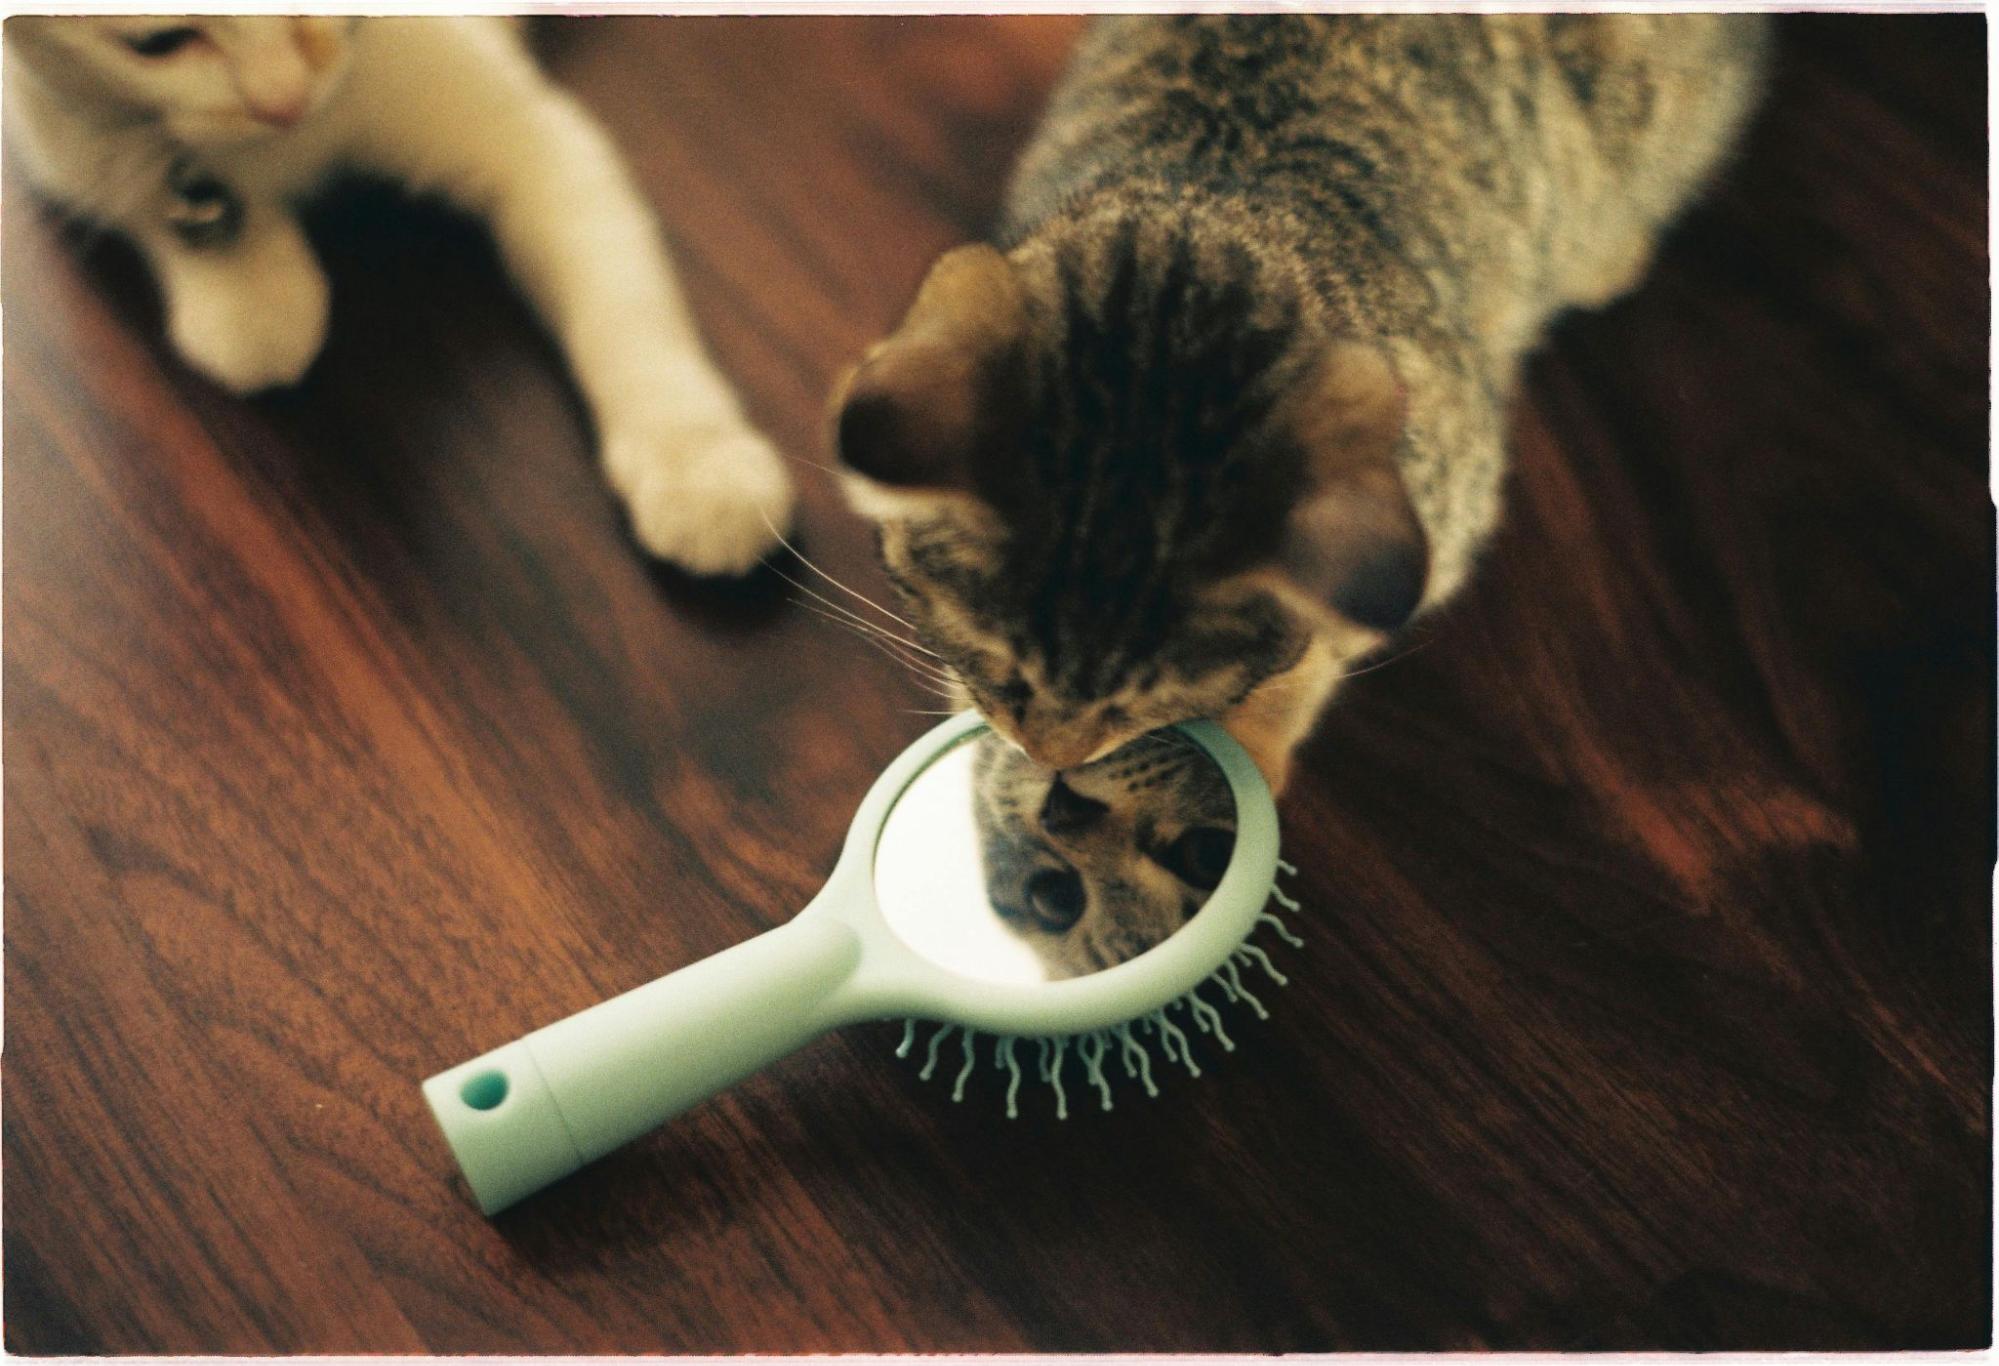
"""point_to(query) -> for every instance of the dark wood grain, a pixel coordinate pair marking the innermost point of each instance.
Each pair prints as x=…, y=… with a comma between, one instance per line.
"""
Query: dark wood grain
x=1648, y=995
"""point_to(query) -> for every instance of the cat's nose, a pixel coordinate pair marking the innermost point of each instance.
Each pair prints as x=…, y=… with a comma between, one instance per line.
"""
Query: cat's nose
x=280, y=109
x=275, y=84
x=1067, y=811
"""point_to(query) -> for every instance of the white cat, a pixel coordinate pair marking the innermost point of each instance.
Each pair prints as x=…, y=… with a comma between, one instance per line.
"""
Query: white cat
x=198, y=136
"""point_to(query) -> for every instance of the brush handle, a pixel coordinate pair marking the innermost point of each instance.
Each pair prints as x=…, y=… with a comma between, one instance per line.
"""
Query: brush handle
x=537, y=1109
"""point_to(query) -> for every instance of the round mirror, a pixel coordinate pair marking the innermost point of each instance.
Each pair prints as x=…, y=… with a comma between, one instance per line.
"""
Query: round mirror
x=995, y=869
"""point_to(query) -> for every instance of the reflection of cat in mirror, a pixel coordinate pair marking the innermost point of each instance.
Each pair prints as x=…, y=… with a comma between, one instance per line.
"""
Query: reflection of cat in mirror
x=1096, y=864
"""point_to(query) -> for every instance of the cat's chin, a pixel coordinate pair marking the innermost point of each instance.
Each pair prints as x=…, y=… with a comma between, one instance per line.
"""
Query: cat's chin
x=1063, y=753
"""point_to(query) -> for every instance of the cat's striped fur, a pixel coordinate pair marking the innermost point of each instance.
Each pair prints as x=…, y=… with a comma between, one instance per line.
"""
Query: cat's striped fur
x=1224, y=404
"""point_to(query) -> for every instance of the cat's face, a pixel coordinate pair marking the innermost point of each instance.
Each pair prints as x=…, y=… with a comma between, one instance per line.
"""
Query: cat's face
x=1121, y=483
x=207, y=80
x=1098, y=865
x=1073, y=645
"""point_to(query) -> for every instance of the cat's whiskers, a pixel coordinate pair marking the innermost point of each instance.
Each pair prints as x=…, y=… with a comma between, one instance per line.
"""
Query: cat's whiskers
x=1276, y=690
x=1395, y=658
x=941, y=692
x=928, y=668
x=916, y=665
x=921, y=661
x=901, y=621
x=927, y=675
x=1173, y=739
x=815, y=464
x=858, y=620
x=933, y=677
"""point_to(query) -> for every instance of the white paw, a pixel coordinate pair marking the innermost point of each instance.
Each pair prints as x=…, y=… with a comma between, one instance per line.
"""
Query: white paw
x=254, y=329
x=711, y=503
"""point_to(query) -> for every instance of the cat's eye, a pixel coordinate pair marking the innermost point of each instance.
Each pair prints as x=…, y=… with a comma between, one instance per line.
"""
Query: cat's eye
x=1067, y=811
x=1055, y=899
x=162, y=42
x=1200, y=856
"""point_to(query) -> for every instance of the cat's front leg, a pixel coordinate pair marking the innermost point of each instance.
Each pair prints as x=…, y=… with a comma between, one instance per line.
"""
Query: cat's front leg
x=249, y=314
x=703, y=487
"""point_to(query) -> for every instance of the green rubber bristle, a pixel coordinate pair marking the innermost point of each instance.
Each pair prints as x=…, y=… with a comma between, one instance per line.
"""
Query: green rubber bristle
x=1121, y=1043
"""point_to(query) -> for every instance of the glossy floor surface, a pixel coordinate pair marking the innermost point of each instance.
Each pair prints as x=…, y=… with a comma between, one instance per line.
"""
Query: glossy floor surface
x=1647, y=993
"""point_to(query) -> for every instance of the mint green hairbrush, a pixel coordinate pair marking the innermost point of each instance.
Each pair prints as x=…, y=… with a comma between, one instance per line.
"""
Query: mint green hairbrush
x=902, y=929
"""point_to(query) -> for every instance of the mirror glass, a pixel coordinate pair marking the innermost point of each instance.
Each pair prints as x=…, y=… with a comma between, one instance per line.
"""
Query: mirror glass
x=996, y=869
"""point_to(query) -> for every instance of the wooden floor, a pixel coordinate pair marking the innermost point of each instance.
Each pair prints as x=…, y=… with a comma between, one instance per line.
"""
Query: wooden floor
x=1647, y=997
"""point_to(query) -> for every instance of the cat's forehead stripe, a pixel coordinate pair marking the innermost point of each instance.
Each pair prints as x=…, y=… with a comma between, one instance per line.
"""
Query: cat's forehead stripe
x=1158, y=371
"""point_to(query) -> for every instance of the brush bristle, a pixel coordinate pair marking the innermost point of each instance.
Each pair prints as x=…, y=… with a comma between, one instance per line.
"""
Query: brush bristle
x=1092, y=1050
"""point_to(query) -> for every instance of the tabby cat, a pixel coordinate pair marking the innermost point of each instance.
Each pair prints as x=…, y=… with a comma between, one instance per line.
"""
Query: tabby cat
x=1222, y=406
x=197, y=137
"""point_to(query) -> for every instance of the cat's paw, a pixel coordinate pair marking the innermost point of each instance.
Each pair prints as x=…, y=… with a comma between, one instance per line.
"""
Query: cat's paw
x=711, y=503
x=253, y=331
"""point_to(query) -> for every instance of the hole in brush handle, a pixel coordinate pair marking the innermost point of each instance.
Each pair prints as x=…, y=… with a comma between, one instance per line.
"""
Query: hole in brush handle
x=484, y=1091
x=537, y=1109
x=503, y=1126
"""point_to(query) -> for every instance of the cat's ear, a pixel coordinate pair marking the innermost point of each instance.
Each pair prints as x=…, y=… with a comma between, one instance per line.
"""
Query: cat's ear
x=1351, y=540
x=924, y=405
